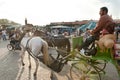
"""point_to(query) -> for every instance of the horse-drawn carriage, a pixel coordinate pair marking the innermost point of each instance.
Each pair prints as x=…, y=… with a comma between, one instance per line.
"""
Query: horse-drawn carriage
x=84, y=65
x=13, y=45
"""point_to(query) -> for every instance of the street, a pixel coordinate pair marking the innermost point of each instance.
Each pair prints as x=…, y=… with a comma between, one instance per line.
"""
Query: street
x=8, y=63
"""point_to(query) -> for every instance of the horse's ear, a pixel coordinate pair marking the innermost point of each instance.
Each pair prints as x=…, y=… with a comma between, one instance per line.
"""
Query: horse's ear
x=36, y=33
x=34, y=29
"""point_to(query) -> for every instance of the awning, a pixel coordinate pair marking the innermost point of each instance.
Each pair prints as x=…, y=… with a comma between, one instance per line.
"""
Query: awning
x=60, y=27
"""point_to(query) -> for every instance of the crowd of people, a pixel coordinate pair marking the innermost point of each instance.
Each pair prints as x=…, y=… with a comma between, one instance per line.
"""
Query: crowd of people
x=3, y=34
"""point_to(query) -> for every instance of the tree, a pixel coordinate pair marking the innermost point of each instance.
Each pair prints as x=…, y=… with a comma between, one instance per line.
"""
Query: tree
x=7, y=22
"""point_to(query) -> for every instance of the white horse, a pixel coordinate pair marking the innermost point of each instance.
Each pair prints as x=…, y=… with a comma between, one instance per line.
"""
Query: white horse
x=34, y=46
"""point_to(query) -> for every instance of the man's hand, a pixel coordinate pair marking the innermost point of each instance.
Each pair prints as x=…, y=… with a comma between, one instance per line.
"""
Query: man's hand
x=90, y=31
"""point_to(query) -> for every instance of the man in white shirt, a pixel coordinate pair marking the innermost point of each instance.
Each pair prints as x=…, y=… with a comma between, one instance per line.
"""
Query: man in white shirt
x=4, y=34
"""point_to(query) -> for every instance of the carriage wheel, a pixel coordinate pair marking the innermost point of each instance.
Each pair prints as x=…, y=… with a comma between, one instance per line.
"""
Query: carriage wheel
x=9, y=47
x=82, y=71
x=100, y=65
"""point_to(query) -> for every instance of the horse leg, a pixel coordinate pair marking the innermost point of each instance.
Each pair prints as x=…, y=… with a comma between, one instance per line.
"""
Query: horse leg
x=37, y=64
x=22, y=56
x=58, y=56
x=45, y=54
x=29, y=61
x=68, y=45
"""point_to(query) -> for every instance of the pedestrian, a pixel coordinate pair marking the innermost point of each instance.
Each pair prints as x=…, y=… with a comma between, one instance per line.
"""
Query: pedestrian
x=4, y=34
x=117, y=31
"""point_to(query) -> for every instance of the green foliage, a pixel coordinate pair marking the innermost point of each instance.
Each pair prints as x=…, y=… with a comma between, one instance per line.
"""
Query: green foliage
x=7, y=22
x=106, y=55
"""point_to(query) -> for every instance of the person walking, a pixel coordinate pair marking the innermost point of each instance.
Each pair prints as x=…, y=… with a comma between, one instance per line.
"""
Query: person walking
x=4, y=34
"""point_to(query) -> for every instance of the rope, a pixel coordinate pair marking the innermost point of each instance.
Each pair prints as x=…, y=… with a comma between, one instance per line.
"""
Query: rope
x=28, y=49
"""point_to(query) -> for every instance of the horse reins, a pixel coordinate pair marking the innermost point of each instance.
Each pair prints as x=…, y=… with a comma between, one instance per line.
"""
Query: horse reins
x=28, y=49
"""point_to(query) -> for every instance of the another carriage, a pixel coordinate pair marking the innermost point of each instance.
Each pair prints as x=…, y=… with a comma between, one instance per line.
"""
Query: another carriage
x=13, y=45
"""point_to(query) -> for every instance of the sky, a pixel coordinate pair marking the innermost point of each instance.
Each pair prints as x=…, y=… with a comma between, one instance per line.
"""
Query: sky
x=43, y=12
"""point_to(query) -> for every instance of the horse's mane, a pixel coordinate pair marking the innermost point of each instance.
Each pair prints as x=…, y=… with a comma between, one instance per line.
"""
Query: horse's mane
x=21, y=37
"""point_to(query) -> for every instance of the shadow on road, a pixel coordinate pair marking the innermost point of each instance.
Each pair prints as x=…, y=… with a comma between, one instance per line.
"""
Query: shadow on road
x=20, y=73
x=4, y=44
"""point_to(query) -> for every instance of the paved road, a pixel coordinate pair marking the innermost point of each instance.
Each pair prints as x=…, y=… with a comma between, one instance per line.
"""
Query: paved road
x=8, y=63
x=11, y=70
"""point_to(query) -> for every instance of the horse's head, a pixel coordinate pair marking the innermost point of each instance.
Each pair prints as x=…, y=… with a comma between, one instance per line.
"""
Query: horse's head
x=27, y=28
x=39, y=33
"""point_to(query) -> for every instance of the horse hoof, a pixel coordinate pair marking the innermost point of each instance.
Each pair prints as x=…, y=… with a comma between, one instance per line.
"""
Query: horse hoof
x=30, y=67
x=23, y=64
x=34, y=74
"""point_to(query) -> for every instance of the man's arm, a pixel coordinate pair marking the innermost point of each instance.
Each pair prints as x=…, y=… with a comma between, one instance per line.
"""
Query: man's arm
x=100, y=25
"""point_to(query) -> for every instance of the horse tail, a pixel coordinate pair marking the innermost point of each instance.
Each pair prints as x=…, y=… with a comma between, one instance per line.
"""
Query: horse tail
x=45, y=53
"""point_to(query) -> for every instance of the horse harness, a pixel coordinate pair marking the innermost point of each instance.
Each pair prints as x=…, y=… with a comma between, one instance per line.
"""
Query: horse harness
x=29, y=50
x=57, y=64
